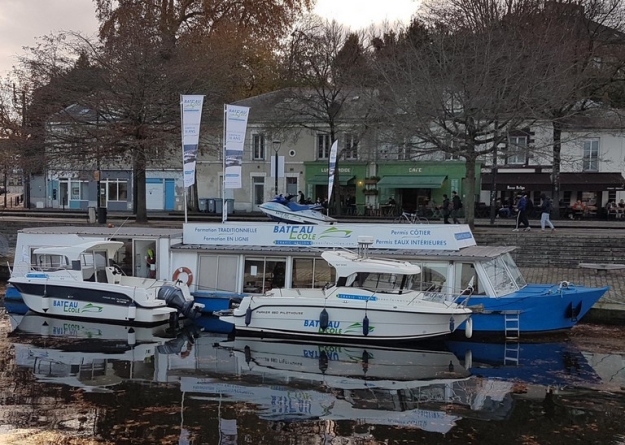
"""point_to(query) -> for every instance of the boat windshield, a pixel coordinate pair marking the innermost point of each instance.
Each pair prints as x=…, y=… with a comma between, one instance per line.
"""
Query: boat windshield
x=49, y=262
x=504, y=275
x=380, y=282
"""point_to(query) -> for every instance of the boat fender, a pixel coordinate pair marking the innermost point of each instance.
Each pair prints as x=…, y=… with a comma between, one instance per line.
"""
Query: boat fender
x=132, y=312
x=324, y=320
x=248, y=316
x=45, y=304
x=468, y=328
x=468, y=359
x=132, y=337
x=247, y=351
x=452, y=324
x=180, y=271
x=45, y=329
x=323, y=362
x=365, y=326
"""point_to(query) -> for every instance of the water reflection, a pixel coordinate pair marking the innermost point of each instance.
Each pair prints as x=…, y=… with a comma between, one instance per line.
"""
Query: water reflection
x=221, y=390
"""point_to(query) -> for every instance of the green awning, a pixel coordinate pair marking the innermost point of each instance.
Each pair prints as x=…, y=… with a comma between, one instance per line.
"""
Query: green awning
x=412, y=182
x=323, y=179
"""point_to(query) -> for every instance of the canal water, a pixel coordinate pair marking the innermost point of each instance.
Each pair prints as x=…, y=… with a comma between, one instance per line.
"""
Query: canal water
x=96, y=383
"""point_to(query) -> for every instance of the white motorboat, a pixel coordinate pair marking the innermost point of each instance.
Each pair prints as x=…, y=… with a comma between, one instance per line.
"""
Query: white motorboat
x=372, y=299
x=81, y=281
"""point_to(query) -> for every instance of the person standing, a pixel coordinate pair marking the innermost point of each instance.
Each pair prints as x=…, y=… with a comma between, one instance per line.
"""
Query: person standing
x=545, y=208
x=301, y=200
x=456, y=205
x=521, y=217
x=445, y=209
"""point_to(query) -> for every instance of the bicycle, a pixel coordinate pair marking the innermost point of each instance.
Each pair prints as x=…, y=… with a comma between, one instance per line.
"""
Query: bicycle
x=410, y=218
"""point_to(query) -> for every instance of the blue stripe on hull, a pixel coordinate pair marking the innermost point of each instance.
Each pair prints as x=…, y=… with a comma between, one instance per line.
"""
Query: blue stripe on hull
x=73, y=293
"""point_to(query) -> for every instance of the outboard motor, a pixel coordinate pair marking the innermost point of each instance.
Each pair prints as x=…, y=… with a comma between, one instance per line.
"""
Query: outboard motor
x=174, y=297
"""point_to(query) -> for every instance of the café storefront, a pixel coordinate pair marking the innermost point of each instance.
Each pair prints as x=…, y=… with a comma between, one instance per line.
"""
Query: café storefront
x=414, y=185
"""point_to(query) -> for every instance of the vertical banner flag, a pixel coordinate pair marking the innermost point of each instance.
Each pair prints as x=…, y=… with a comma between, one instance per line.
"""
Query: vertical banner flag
x=236, y=125
x=332, y=168
x=191, y=107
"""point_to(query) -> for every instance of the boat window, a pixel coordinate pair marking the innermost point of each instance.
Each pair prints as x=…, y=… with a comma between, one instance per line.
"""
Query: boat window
x=312, y=273
x=432, y=277
x=51, y=262
x=514, y=270
x=99, y=258
x=379, y=282
x=499, y=275
x=218, y=273
x=263, y=273
x=466, y=276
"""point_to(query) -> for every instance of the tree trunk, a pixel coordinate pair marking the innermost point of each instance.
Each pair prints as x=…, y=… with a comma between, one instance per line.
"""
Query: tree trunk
x=140, y=194
x=469, y=191
x=557, y=159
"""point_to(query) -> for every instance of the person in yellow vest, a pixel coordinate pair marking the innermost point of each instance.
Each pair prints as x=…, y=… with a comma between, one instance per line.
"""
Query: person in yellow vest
x=151, y=262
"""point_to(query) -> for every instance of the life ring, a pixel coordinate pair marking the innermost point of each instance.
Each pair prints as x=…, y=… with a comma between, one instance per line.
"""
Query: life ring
x=184, y=270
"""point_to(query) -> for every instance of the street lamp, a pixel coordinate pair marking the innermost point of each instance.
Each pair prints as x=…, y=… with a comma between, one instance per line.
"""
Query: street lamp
x=276, y=149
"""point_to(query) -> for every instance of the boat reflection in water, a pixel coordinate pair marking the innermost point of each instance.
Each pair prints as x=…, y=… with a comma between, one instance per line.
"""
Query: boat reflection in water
x=86, y=354
x=429, y=388
x=399, y=387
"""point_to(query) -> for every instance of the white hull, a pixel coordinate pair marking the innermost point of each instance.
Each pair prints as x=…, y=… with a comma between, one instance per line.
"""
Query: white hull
x=345, y=366
x=93, y=301
x=300, y=316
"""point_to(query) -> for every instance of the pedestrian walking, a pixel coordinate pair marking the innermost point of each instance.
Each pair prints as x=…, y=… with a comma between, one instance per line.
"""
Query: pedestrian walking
x=445, y=209
x=521, y=217
x=456, y=205
x=545, y=208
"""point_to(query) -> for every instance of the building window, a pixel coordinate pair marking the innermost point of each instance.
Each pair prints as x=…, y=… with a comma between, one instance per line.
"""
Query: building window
x=291, y=185
x=517, y=150
x=258, y=147
x=323, y=146
x=79, y=190
x=590, y=161
x=350, y=149
x=258, y=189
x=116, y=190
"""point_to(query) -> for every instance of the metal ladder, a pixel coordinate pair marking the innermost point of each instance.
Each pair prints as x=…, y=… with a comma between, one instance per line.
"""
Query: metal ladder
x=512, y=325
x=512, y=353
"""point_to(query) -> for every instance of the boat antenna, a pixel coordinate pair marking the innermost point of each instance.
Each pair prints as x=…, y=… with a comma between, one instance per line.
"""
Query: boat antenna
x=364, y=242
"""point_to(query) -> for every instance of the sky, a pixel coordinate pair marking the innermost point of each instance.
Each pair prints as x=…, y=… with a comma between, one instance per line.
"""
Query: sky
x=21, y=21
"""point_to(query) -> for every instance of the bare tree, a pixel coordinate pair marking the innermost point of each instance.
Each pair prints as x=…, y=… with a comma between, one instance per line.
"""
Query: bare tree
x=456, y=91
x=327, y=68
x=148, y=54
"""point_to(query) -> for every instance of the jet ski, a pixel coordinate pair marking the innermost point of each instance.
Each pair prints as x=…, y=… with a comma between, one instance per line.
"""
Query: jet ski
x=281, y=209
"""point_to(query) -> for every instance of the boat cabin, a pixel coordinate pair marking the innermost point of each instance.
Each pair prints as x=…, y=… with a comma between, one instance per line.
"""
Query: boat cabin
x=90, y=261
x=371, y=273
